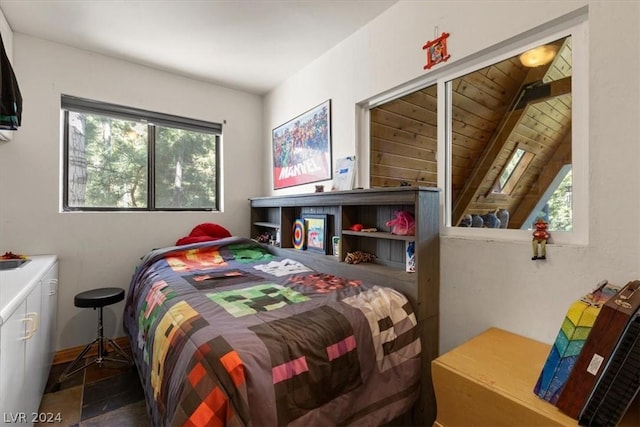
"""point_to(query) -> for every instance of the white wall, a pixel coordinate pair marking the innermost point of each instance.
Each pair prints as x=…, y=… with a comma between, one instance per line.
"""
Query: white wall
x=102, y=249
x=485, y=282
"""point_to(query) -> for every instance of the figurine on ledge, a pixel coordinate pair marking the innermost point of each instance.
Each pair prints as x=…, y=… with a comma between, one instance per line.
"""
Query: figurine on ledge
x=540, y=237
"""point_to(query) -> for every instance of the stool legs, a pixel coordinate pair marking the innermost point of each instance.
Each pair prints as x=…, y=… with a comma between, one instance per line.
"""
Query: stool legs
x=102, y=346
x=103, y=343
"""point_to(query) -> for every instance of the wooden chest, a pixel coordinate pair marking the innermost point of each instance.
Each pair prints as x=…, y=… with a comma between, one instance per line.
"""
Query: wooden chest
x=489, y=381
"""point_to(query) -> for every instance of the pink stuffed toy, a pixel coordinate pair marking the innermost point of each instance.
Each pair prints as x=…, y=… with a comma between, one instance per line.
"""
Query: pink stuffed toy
x=403, y=224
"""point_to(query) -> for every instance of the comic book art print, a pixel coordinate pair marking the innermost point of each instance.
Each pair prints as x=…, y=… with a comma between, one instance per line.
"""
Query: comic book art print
x=302, y=148
x=317, y=232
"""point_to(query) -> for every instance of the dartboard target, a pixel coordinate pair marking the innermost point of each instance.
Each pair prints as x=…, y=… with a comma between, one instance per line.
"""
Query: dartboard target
x=298, y=234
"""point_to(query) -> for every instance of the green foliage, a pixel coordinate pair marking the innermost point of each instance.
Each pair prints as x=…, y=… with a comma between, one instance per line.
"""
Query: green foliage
x=116, y=163
x=560, y=206
x=558, y=210
x=185, y=169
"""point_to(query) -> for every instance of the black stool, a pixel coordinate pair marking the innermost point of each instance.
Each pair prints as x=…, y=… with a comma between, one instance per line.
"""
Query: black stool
x=97, y=298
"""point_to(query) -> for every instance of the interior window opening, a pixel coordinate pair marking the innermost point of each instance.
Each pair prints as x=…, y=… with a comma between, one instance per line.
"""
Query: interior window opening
x=404, y=140
x=509, y=127
x=497, y=138
x=514, y=119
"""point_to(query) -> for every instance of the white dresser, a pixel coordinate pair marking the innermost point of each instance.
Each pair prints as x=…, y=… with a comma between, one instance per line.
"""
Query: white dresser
x=28, y=308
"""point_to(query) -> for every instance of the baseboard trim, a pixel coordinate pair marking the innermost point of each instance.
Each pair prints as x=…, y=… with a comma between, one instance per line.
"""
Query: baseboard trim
x=69, y=354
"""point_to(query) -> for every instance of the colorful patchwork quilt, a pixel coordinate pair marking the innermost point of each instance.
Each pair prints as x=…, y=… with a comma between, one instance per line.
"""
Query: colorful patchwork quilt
x=226, y=333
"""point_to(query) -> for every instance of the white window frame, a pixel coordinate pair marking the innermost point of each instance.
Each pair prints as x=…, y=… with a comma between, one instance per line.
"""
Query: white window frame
x=577, y=29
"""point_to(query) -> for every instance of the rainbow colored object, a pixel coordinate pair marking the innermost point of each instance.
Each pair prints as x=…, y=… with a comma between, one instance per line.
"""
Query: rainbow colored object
x=299, y=240
x=573, y=333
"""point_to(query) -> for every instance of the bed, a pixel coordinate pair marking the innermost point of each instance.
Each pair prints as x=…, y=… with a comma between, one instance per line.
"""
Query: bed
x=226, y=333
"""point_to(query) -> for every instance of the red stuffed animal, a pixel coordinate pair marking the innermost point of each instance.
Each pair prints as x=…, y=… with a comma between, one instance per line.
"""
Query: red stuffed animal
x=204, y=232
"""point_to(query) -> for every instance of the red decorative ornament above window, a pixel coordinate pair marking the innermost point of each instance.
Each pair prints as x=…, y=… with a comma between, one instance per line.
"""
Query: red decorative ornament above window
x=436, y=51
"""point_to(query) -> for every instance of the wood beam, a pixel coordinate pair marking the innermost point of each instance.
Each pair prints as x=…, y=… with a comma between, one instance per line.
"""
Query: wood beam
x=543, y=91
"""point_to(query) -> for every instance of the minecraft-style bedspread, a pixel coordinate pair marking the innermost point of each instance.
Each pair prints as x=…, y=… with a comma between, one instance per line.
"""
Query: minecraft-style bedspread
x=225, y=333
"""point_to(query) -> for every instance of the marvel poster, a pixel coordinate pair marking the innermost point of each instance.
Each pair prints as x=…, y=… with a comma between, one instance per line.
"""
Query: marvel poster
x=302, y=148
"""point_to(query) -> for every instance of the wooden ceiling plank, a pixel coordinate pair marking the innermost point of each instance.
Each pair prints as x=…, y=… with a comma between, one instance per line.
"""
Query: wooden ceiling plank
x=463, y=154
x=467, y=117
x=466, y=164
x=490, y=87
x=513, y=69
x=403, y=162
x=459, y=128
x=403, y=150
x=555, y=110
x=469, y=90
x=510, y=81
x=412, y=138
x=466, y=142
x=474, y=107
x=423, y=100
x=405, y=127
x=412, y=111
x=547, y=119
x=401, y=119
x=535, y=132
x=562, y=104
x=527, y=143
x=402, y=173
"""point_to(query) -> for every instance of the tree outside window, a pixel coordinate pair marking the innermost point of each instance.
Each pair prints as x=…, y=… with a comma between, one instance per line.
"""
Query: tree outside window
x=130, y=163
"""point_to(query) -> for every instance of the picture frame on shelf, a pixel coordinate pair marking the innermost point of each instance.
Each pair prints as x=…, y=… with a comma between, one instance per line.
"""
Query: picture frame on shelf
x=302, y=148
x=316, y=232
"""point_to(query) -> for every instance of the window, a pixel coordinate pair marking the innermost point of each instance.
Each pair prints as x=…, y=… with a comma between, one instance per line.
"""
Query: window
x=121, y=158
x=403, y=140
x=514, y=117
x=513, y=171
x=508, y=135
